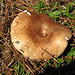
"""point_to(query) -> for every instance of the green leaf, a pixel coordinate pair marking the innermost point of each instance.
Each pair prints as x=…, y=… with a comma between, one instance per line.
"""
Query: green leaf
x=45, y=66
x=1, y=33
x=71, y=4
x=18, y=69
x=38, y=11
x=43, y=11
x=55, y=4
x=70, y=54
x=68, y=15
x=55, y=13
x=39, y=6
x=54, y=8
x=22, y=72
x=43, y=0
x=60, y=60
x=48, y=12
x=26, y=74
x=56, y=17
x=15, y=66
x=35, y=7
x=1, y=1
x=60, y=8
x=67, y=8
x=62, y=11
x=57, y=65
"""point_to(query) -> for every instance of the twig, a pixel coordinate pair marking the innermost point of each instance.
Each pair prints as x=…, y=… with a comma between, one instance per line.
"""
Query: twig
x=50, y=55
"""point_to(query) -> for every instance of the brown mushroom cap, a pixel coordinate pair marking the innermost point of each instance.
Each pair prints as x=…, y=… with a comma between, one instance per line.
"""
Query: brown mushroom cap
x=36, y=35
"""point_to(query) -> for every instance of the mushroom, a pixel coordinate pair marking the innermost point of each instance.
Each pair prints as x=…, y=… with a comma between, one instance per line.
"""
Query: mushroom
x=37, y=36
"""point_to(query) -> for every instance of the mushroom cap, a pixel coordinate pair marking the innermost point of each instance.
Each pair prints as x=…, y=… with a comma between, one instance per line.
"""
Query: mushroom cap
x=37, y=36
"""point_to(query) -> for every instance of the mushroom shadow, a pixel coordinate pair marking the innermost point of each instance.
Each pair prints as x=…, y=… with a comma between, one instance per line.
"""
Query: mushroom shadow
x=64, y=70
